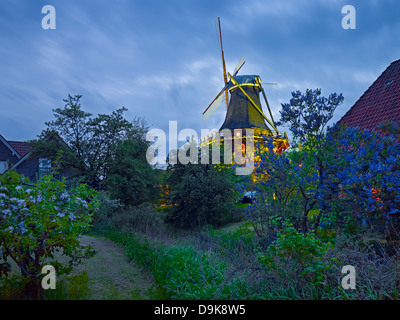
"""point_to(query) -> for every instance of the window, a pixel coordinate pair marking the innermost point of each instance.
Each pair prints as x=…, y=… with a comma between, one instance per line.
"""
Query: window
x=3, y=166
x=44, y=166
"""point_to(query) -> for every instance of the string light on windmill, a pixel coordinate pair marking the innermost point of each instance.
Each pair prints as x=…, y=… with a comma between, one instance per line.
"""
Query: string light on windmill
x=244, y=109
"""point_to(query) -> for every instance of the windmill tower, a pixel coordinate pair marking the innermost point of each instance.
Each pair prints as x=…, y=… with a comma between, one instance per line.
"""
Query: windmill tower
x=244, y=109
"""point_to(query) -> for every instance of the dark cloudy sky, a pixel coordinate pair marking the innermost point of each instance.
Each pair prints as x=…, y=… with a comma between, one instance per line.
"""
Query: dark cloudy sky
x=161, y=60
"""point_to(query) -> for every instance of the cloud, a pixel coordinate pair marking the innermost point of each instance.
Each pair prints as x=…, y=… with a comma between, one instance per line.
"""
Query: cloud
x=161, y=60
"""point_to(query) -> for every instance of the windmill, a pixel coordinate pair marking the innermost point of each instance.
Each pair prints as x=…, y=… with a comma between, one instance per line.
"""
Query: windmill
x=244, y=109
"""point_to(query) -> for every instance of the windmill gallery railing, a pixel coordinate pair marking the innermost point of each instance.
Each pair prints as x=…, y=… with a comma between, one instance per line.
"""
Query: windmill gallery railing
x=254, y=135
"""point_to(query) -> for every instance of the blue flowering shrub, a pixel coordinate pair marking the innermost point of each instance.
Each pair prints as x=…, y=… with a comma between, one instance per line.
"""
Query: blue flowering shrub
x=344, y=177
x=38, y=221
x=335, y=183
x=365, y=172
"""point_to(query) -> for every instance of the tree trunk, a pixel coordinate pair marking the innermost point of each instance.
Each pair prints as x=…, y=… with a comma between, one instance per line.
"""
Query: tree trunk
x=32, y=291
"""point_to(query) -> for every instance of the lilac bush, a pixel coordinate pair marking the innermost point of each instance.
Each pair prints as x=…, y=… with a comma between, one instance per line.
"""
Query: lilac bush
x=38, y=221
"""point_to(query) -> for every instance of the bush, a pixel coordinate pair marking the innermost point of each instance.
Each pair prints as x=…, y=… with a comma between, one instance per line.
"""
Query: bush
x=102, y=219
x=130, y=178
x=304, y=253
x=36, y=222
x=201, y=194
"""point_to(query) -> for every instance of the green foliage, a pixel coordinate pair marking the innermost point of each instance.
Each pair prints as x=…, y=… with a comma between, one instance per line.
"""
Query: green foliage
x=181, y=271
x=73, y=287
x=185, y=274
x=304, y=253
x=131, y=179
x=307, y=114
x=90, y=142
x=78, y=288
x=200, y=194
x=39, y=221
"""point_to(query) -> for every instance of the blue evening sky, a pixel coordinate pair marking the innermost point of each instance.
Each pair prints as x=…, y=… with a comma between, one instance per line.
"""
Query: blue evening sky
x=161, y=59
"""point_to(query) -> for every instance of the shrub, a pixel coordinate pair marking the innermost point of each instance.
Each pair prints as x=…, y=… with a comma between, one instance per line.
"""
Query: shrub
x=201, y=194
x=39, y=221
x=130, y=178
x=304, y=253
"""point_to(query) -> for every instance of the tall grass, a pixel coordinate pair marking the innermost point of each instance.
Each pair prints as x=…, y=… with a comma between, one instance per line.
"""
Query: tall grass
x=224, y=263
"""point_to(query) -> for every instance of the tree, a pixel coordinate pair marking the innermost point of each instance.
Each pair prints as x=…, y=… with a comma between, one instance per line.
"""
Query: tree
x=308, y=114
x=353, y=178
x=130, y=178
x=200, y=194
x=91, y=142
x=39, y=221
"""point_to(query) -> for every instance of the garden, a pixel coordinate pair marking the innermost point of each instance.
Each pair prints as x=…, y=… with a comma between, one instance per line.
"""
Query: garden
x=332, y=200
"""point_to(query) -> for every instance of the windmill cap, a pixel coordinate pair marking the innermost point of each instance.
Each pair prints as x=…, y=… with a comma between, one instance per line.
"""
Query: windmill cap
x=245, y=79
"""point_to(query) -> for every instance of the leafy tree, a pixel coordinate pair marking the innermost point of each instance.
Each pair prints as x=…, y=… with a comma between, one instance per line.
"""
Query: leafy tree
x=360, y=183
x=39, y=221
x=284, y=186
x=200, y=194
x=91, y=142
x=308, y=114
x=130, y=178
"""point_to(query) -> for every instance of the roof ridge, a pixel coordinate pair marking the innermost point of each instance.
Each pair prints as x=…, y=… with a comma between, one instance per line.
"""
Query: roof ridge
x=17, y=141
x=9, y=146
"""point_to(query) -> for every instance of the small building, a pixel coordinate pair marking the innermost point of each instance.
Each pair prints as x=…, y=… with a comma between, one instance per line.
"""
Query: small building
x=380, y=103
x=18, y=156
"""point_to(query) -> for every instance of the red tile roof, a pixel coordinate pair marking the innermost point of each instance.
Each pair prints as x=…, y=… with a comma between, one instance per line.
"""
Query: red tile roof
x=21, y=147
x=381, y=102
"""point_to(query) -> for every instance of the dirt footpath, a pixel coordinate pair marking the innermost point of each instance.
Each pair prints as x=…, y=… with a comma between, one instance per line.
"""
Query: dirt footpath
x=111, y=275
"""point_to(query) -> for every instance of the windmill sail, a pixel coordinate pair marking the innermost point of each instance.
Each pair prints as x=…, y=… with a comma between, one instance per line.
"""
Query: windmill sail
x=244, y=109
x=214, y=104
x=223, y=63
x=240, y=64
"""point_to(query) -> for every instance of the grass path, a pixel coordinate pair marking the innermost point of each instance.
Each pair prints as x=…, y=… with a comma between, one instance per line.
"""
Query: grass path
x=111, y=275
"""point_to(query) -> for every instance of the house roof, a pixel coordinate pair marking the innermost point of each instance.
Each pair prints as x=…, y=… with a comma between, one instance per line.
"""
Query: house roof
x=381, y=102
x=21, y=147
